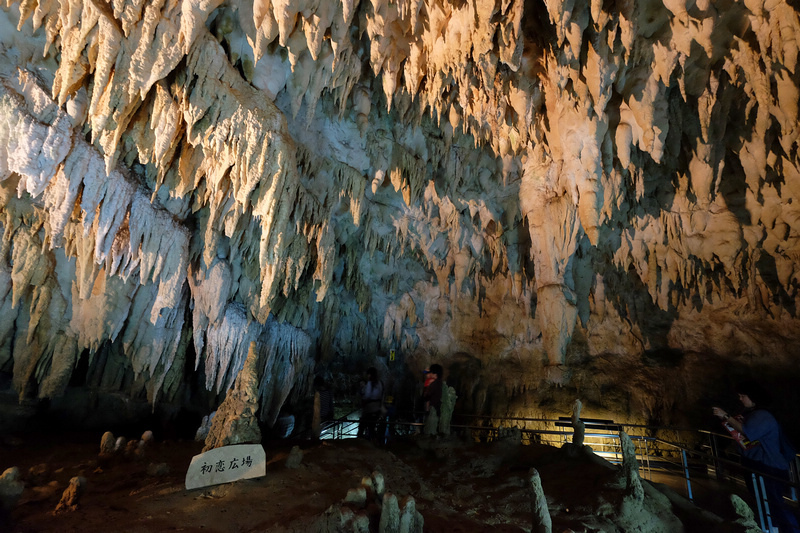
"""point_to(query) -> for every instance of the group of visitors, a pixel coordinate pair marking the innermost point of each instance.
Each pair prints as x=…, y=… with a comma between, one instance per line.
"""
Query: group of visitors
x=376, y=406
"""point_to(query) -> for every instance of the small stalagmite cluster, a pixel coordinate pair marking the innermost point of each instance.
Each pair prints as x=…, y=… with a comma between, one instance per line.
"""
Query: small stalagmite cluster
x=372, y=503
x=533, y=193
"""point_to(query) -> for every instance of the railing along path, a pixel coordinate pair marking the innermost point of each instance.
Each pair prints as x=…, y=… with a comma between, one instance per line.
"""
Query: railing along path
x=699, y=459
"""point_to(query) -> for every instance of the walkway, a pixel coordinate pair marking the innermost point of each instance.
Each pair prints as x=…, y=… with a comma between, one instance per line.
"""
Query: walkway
x=700, y=464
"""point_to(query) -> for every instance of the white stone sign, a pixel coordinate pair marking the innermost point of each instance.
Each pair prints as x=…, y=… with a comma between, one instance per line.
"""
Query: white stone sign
x=226, y=464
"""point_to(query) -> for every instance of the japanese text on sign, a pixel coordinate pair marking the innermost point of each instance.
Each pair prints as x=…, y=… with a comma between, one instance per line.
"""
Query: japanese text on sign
x=226, y=464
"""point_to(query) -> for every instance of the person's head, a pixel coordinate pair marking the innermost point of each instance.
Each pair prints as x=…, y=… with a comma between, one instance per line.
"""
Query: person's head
x=319, y=382
x=372, y=374
x=437, y=370
x=752, y=394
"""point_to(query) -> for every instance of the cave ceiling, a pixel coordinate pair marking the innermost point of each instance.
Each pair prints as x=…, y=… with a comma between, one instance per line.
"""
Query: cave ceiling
x=533, y=186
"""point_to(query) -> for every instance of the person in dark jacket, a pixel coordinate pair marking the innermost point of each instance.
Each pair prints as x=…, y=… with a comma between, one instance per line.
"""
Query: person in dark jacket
x=325, y=395
x=762, y=450
x=322, y=417
x=371, y=405
x=433, y=392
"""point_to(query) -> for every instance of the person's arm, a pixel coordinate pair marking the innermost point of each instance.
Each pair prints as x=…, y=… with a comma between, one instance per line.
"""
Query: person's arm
x=735, y=424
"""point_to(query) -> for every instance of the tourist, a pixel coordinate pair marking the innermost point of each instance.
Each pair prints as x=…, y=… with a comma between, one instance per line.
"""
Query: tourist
x=371, y=405
x=433, y=389
x=429, y=378
x=764, y=449
x=323, y=406
x=420, y=405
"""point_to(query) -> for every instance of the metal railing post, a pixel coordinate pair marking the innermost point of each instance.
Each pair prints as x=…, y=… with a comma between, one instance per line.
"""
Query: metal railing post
x=686, y=472
x=608, y=446
x=766, y=504
x=757, y=494
x=714, y=454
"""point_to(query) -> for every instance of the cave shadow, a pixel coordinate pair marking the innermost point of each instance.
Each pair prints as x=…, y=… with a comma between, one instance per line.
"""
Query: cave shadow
x=631, y=299
x=463, y=373
x=767, y=268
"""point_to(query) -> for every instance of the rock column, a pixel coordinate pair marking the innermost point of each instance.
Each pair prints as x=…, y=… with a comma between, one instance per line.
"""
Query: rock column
x=630, y=468
x=542, y=523
x=236, y=421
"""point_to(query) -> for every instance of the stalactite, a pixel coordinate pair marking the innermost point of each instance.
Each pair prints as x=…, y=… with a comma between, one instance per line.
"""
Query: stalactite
x=315, y=163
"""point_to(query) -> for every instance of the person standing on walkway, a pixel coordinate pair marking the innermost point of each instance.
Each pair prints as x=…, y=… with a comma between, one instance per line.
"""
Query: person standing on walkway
x=323, y=406
x=766, y=450
x=371, y=405
x=433, y=389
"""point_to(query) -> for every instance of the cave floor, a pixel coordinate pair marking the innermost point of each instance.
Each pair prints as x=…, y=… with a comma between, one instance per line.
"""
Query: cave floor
x=458, y=486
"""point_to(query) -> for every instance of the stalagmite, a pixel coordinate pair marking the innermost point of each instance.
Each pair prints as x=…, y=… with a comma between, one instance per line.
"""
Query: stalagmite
x=390, y=514
x=630, y=468
x=72, y=495
x=557, y=191
x=236, y=420
x=449, y=398
x=108, y=444
x=578, y=427
x=542, y=523
x=411, y=520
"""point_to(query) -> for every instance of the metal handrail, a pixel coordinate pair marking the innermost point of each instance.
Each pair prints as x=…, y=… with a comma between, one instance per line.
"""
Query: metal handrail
x=643, y=442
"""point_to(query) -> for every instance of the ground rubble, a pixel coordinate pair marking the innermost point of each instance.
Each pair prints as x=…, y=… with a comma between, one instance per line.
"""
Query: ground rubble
x=433, y=484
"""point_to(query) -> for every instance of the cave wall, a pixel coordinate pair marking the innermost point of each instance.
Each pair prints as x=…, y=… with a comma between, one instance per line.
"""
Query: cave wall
x=549, y=198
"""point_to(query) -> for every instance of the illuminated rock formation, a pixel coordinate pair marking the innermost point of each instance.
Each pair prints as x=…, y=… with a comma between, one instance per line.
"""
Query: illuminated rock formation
x=544, y=191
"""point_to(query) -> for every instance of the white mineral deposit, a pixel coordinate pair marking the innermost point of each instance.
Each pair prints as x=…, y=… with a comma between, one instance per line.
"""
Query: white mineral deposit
x=205, y=205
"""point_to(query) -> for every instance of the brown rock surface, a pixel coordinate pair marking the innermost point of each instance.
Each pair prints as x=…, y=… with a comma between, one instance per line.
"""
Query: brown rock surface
x=457, y=487
x=599, y=196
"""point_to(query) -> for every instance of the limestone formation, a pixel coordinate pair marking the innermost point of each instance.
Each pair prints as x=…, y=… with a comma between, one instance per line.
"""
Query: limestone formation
x=132, y=449
x=411, y=520
x=437, y=422
x=578, y=427
x=108, y=444
x=378, y=483
x=746, y=517
x=357, y=496
x=10, y=488
x=355, y=513
x=338, y=519
x=630, y=469
x=205, y=427
x=236, y=420
x=390, y=514
x=542, y=523
x=72, y=494
x=575, y=194
x=449, y=398
x=295, y=457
